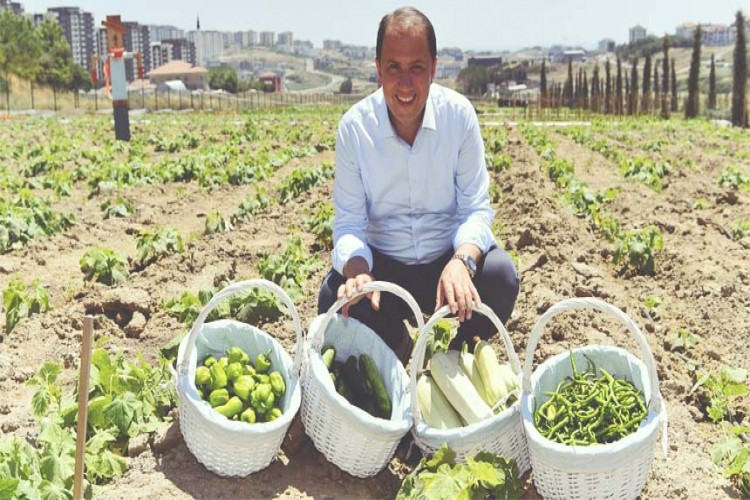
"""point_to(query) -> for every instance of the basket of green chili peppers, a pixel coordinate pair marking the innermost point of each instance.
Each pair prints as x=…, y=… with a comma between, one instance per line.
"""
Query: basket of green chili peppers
x=591, y=415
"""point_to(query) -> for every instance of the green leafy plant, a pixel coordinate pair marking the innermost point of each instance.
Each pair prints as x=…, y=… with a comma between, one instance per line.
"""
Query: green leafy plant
x=734, y=178
x=21, y=301
x=119, y=207
x=154, y=244
x=251, y=205
x=684, y=339
x=636, y=249
x=105, y=266
x=302, y=180
x=732, y=457
x=741, y=229
x=701, y=204
x=439, y=338
x=719, y=388
x=484, y=476
x=28, y=217
x=652, y=304
x=215, y=223
x=289, y=270
x=321, y=225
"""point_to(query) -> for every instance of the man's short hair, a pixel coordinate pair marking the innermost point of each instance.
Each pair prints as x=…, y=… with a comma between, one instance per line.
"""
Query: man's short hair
x=407, y=17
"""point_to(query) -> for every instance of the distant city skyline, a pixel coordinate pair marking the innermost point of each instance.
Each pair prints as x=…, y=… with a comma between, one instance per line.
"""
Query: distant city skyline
x=483, y=25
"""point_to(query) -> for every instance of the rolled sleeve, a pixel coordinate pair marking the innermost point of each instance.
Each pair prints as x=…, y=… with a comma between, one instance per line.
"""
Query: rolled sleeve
x=475, y=214
x=349, y=200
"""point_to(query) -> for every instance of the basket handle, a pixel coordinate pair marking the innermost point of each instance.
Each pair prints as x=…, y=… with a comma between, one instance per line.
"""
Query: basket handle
x=235, y=288
x=316, y=339
x=599, y=305
x=421, y=347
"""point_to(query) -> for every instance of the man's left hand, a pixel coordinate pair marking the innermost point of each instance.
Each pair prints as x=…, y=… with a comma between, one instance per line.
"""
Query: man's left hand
x=457, y=290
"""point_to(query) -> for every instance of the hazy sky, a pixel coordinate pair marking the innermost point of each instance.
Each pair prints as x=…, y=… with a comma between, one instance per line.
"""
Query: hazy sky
x=478, y=25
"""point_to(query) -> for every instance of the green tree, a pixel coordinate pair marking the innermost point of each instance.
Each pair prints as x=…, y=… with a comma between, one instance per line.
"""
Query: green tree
x=607, y=89
x=712, y=85
x=665, y=106
x=674, y=101
x=346, y=86
x=739, y=77
x=595, y=95
x=543, y=83
x=633, y=94
x=474, y=80
x=618, y=88
x=19, y=48
x=223, y=77
x=692, y=105
x=56, y=61
x=646, y=100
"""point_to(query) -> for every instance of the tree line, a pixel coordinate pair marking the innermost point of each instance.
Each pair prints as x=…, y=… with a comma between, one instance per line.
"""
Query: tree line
x=39, y=54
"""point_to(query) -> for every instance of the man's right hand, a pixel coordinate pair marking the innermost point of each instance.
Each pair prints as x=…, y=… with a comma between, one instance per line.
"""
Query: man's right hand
x=357, y=273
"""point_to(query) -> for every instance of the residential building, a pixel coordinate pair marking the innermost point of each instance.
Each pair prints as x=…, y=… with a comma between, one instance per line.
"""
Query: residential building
x=332, y=44
x=717, y=35
x=157, y=33
x=209, y=46
x=172, y=49
x=194, y=77
x=267, y=39
x=574, y=55
x=250, y=38
x=485, y=61
x=78, y=29
x=136, y=38
x=637, y=33
x=15, y=7
x=285, y=38
x=606, y=45
x=686, y=30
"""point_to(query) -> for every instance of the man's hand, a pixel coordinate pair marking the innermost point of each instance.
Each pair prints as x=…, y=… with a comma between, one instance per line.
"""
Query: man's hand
x=357, y=273
x=457, y=290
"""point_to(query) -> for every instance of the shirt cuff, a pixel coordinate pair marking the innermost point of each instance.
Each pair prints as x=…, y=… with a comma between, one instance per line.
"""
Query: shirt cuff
x=347, y=247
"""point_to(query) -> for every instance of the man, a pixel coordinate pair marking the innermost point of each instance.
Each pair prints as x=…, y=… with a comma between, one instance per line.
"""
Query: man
x=411, y=197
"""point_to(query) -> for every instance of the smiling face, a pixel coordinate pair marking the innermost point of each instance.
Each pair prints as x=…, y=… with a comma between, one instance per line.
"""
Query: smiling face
x=405, y=70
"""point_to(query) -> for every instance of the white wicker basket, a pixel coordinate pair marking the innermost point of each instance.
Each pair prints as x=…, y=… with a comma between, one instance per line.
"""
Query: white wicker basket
x=502, y=434
x=616, y=470
x=226, y=447
x=346, y=435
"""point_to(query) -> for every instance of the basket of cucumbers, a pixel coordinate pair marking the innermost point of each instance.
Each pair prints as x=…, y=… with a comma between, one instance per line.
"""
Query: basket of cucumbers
x=238, y=389
x=467, y=399
x=355, y=403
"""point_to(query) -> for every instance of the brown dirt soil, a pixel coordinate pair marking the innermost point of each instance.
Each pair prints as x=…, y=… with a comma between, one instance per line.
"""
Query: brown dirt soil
x=702, y=277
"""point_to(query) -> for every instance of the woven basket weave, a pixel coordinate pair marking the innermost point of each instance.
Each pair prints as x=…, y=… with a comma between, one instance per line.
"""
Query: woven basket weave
x=346, y=435
x=616, y=470
x=226, y=447
x=502, y=434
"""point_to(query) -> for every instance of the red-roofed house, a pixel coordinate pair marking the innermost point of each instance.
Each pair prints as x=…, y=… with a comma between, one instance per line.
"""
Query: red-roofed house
x=194, y=77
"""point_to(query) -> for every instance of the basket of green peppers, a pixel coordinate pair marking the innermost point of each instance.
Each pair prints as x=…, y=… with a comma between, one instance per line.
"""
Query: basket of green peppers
x=238, y=389
x=592, y=415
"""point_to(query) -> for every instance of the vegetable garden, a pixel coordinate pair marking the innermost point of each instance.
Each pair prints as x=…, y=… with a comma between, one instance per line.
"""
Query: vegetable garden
x=651, y=216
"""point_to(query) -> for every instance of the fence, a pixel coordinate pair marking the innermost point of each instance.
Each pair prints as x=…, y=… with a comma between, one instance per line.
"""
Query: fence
x=46, y=99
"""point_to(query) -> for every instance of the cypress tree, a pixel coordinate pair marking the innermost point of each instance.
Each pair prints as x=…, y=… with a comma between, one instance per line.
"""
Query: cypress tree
x=543, y=84
x=595, y=100
x=585, y=91
x=712, y=85
x=618, y=88
x=674, y=101
x=656, y=86
x=739, y=77
x=665, y=106
x=646, y=101
x=692, y=106
x=607, y=89
x=633, y=102
x=568, y=89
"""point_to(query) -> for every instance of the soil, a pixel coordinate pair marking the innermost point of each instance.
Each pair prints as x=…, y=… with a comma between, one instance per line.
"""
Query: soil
x=702, y=278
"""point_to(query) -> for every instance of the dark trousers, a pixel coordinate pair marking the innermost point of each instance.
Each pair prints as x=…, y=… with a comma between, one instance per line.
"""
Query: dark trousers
x=496, y=281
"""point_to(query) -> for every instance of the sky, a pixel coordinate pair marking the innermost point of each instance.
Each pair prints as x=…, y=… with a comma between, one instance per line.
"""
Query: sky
x=469, y=25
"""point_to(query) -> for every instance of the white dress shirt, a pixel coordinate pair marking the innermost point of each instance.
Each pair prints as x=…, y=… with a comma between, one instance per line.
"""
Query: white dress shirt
x=412, y=203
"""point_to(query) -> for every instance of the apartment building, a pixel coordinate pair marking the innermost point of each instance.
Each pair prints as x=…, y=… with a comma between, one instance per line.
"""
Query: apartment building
x=167, y=50
x=159, y=32
x=285, y=38
x=78, y=29
x=15, y=7
x=209, y=46
x=250, y=38
x=637, y=33
x=267, y=39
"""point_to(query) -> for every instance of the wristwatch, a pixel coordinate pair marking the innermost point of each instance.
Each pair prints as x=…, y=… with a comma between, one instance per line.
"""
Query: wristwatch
x=471, y=266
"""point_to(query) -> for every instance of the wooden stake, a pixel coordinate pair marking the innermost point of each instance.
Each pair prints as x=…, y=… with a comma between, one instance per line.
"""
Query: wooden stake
x=83, y=405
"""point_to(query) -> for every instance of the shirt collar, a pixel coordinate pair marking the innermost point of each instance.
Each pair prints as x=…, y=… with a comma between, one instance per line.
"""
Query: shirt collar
x=385, y=129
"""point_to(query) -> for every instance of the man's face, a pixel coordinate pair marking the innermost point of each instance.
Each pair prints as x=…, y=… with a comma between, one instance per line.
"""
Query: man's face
x=405, y=69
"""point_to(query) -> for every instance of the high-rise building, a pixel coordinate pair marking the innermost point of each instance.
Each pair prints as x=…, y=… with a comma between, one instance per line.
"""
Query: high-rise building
x=251, y=38
x=267, y=38
x=637, y=33
x=172, y=49
x=606, y=45
x=209, y=46
x=285, y=38
x=78, y=29
x=15, y=7
x=157, y=33
x=136, y=38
